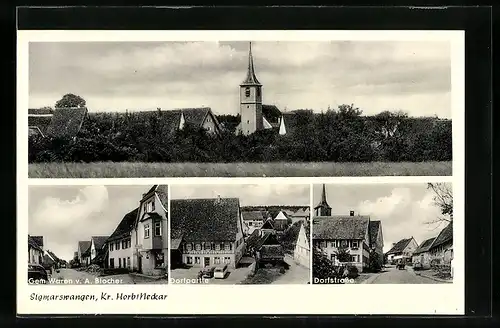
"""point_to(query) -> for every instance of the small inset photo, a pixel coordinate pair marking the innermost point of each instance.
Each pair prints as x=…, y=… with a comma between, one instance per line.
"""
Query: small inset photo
x=240, y=234
x=94, y=235
x=383, y=233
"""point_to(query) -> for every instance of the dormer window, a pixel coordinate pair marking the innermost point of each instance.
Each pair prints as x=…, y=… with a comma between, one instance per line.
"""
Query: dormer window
x=247, y=92
x=149, y=206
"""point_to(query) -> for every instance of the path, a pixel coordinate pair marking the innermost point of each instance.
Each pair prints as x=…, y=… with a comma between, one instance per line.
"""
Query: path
x=395, y=276
x=296, y=274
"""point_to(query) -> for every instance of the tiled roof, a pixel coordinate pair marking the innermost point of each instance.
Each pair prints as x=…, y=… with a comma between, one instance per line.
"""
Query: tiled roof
x=373, y=229
x=424, y=246
x=399, y=246
x=445, y=236
x=99, y=241
x=83, y=246
x=292, y=233
x=268, y=224
x=66, y=122
x=41, y=122
x=40, y=111
x=32, y=243
x=214, y=219
x=252, y=215
x=272, y=251
x=125, y=226
x=38, y=240
x=162, y=192
x=340, y=227
x=271, y=113
x=195, y=116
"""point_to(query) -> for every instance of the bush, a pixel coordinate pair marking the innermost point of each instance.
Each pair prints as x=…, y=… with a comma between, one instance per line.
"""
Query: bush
x=339, y=136
x=113, y=271
x=353, y=272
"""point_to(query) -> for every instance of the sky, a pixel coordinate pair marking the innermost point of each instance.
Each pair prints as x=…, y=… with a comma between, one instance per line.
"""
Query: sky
x=411, y=76
x=403, y=209
x=64, y=215
x=249, y=194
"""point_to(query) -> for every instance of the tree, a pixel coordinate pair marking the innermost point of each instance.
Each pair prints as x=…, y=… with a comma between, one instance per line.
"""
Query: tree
x=343, y=254
x=70, y=100
x=443, y=198
x=323, y=267
x=375, y=261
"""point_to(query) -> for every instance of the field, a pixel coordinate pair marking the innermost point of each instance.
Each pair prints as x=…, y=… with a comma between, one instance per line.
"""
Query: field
x=276, y=169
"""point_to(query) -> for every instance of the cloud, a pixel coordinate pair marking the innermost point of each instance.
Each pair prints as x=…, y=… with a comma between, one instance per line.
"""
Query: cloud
x=248, y=194
x=413, y=76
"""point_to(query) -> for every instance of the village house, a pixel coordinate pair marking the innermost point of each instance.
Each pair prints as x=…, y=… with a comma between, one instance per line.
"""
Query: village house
x=119, y=244
x=252, y=220
x=58, y=122
x=206, y=232
x=84, y=252
x=35, y=249
x=97, y=250
x=421, y=255
x=264, y=245
x=302, y=252
x=150, y=230
x=358, y=235
x=441, y=249
x=402, y=250
x=302, y=214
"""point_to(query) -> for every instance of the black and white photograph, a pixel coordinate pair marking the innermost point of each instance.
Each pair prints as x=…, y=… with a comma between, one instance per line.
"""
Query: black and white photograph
x=98, y=235
x=383, y=233
x=246, y=108
x=240, y=234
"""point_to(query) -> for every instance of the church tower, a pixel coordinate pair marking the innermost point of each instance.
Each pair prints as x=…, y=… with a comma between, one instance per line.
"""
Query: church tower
x=250, y=100
x=323, y=209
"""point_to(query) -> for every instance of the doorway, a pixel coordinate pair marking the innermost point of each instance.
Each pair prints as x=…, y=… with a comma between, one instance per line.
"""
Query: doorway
x=206, y=261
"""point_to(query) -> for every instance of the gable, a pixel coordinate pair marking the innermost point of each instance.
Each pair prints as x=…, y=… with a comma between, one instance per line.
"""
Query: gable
x=281, y=216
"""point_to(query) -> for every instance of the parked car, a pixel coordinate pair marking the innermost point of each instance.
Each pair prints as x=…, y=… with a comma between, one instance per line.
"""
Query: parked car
x=208, y=272
x=400, y=266
x=220, y=272
x=37, y=272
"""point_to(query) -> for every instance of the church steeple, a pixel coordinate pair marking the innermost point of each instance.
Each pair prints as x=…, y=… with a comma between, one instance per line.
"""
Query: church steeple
x=323, y=209
x=251, y=78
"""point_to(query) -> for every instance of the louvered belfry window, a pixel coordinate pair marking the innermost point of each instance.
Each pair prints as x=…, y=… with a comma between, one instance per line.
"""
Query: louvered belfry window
x=247, y=92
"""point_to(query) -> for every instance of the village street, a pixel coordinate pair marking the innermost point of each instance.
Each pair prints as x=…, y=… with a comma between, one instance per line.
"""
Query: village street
x=75, y=277
x=391, y=275
x=296, y=274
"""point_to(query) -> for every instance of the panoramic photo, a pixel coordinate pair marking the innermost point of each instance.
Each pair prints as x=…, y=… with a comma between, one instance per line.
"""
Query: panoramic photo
x=383, y=234
x=98, y=235
x=239, y=109
x=240, y=234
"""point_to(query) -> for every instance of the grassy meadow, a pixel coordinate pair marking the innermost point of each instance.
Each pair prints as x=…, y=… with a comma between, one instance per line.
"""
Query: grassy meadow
x=274, y=169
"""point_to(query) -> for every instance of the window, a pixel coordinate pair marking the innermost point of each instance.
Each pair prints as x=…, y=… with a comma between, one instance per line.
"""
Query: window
x=124, y=244
x=146, y=231
x=189, y=260
x=227, y=246
x=124, y=263
x=206, y=246
x=111, y=247
x=112, y=263
x=119, y=262
x=128, y=262
x=117, y=245
x=197, y=247
x=197, y=260
x=157, y=228
x=332, y=244
x=189, y=247
x=216, y=260
x=344, y=243
x=247, y=92
x=353, y=258
x=354, y=244
x=129, y=243
x=332, y=257
x=250, y=223
x=217, y=247
x=159, y=260
x=227, y=260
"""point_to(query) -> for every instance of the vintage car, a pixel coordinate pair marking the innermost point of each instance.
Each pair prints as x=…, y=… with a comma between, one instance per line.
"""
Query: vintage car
x=208, y=272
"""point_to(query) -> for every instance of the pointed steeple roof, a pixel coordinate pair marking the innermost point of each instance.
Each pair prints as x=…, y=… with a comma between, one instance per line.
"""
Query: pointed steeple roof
x=323, y=202
x=251, y=78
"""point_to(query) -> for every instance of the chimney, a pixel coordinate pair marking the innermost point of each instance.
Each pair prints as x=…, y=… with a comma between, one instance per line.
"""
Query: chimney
x=351, y=213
